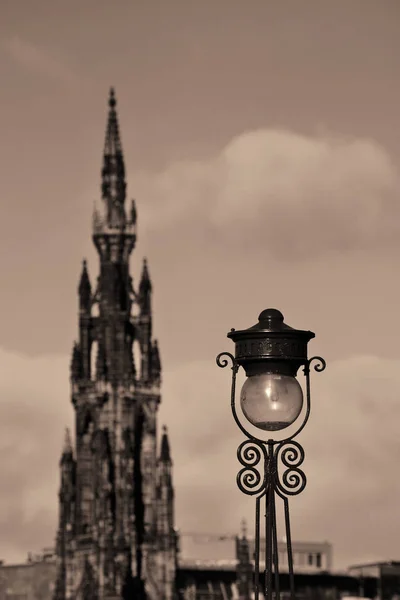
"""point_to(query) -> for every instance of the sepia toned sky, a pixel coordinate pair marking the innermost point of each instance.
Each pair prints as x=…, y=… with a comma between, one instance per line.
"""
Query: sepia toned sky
x=262, y=143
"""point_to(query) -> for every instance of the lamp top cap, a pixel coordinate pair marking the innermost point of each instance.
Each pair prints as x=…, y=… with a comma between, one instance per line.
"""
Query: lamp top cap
x=271, y=341
x=270, y=321
x=271, y=316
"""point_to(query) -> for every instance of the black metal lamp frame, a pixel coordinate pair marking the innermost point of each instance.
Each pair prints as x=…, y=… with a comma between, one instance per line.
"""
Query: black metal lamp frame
x=274, y=343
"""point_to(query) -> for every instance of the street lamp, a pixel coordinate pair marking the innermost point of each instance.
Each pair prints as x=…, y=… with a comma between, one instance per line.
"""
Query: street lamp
x=271, y=399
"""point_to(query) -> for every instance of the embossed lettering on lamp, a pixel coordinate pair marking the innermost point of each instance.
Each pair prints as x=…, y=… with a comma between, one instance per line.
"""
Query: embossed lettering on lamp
x=271, y=354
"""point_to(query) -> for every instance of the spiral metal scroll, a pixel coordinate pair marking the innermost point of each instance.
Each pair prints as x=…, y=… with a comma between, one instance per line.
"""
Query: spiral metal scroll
x=249, y=479
x=321, y=363
x=293, y=479
x=223, y=360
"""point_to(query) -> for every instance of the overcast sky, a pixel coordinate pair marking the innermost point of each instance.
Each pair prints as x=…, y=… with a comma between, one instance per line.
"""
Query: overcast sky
x=262, y=144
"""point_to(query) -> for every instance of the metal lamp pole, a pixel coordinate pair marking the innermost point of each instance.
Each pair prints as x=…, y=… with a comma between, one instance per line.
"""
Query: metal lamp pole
x=271, y=399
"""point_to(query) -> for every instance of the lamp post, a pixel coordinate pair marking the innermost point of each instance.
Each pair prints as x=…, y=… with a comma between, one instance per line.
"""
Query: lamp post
x=271, y=399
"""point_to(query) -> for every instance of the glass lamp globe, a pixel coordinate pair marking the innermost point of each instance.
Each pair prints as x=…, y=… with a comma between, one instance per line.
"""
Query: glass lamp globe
x=270, y=401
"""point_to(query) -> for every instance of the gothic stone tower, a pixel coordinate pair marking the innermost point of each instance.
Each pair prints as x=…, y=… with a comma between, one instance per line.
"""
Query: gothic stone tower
x=116, y=537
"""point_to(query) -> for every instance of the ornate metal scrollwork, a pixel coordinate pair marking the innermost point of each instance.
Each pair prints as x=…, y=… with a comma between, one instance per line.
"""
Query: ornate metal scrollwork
x=224, y=362
x=293, y=479
x=321, y=363
x=249, y=479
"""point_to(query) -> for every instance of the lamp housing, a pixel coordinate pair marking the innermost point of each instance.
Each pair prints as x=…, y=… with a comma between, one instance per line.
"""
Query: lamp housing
x=271, y=353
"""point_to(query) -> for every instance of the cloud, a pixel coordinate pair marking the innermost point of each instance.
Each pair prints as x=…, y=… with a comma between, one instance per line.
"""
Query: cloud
x=37, y=60
x=290, y=194
x=351, y=444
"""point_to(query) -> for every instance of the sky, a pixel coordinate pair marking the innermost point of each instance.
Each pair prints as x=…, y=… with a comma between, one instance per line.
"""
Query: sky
x=262, y=145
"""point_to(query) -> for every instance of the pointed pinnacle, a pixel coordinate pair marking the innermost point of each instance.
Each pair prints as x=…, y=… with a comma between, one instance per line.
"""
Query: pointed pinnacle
x=112, y=100
x=244, y=528
x=113, y=185
x=133, y=212
x=165, y=454
x=145, y=270
x=112, y=141
x=67, y=442
x=84, y=283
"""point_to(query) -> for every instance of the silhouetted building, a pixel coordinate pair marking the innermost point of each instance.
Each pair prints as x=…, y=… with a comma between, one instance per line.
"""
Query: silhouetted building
x=216, y=578
x=387, y=577
x=116, y=536
x=309, y=557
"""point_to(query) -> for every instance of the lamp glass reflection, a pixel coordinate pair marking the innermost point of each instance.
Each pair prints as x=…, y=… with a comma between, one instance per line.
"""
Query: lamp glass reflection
x=271, y=402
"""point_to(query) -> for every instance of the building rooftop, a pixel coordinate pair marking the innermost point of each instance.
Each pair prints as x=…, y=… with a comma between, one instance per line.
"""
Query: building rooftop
x=382, y=563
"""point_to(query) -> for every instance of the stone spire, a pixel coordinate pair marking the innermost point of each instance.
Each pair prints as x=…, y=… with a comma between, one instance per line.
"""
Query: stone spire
x=113, y=185
x=85, y=289
x=165, y=454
